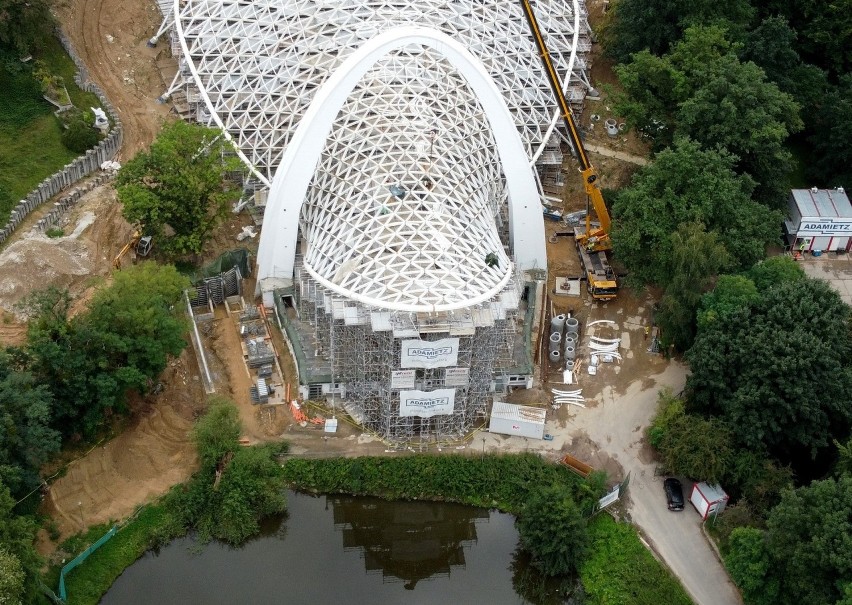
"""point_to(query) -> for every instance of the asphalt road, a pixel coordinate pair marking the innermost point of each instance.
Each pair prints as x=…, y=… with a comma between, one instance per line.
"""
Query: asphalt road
x=617, y=424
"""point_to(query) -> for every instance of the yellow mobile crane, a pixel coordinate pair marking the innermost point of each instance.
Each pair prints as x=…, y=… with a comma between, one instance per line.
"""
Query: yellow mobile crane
x=592, y=244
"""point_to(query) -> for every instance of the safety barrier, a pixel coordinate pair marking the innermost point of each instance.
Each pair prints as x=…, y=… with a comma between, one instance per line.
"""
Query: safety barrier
x=77, y=170
x=80, y=558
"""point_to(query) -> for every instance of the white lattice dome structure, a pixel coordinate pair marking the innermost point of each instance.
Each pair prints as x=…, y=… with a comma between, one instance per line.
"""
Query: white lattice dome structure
x=407, y=199
x=258, y=63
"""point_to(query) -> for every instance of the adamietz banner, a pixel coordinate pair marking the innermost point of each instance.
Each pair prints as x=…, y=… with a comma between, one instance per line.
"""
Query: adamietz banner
x=429, y=354
x=426, y=404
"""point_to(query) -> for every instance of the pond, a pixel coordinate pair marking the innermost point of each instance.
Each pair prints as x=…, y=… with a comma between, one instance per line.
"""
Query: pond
x=338, y=549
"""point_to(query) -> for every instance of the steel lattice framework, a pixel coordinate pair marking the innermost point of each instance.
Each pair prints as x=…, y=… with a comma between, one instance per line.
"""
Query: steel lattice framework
x=257, y=63
x=408, y=196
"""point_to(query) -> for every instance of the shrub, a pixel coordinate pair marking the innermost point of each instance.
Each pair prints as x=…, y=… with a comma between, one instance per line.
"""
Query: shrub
x=553, y=530
x=78, y=136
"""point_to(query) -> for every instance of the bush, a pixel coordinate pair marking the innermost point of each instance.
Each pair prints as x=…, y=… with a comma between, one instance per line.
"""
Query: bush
x=78, y=136
x=553, y=530
x=54, y=232
x=501, y=481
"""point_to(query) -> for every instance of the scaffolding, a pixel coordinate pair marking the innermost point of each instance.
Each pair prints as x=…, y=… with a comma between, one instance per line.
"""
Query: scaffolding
x=363, y=349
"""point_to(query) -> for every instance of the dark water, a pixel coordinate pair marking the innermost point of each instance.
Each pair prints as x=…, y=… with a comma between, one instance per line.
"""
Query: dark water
x=342, y=550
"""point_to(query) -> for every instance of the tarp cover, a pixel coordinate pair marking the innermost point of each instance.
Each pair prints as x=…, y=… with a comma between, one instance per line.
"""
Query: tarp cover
x=228, y=260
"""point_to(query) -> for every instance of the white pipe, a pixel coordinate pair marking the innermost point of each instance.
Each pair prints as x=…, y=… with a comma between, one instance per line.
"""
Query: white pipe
x=600, y=321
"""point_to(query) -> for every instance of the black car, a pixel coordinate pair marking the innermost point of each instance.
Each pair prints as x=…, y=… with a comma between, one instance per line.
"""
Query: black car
x=674, y=493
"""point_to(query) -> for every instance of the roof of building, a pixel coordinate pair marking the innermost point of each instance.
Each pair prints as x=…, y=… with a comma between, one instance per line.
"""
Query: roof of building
x=826, y=203
x=518, y=413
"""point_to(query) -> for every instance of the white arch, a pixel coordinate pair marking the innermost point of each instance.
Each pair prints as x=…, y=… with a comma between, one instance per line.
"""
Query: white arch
x=276, y=256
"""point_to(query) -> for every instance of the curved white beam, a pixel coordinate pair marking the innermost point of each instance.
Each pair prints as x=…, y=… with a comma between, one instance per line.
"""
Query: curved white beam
x=276, y=256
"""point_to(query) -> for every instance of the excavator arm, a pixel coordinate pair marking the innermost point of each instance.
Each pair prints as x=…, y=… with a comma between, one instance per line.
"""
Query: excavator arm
x=593, y=239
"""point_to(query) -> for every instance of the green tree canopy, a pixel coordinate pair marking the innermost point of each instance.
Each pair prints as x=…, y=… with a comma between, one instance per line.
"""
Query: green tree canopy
x=687, y=184
x=17, y=553
x=26, y=439
x=775, y=271
x=751, y=566
x=656, y=24
x=697, y=257
x=732, y=292
x=777, y=372
x=552, y=528
x=701, y=90
x=121, y=343
x=24, y=24
x=178, y=191
x=831, y=163
x=690, y=445
x=809, y=538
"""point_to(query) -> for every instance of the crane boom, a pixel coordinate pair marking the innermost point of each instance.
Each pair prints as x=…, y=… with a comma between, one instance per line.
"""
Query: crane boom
x=592, y=244
x=599, y=238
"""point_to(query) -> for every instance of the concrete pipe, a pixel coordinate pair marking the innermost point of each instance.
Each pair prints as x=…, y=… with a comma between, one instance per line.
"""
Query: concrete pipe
x=570, y=354
x=554, y=356
x=611, y=127
x=555, y=341
x=572, y=326
x=557, y=324
x=570, y=340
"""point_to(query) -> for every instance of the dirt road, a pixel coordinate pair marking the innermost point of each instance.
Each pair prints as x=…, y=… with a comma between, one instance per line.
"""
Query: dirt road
x=110, y=36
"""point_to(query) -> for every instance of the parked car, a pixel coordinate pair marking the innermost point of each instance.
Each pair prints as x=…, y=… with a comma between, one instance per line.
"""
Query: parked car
x=674, y=493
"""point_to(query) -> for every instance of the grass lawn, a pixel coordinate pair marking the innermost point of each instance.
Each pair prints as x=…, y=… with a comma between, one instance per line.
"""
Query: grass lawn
x=30, y=149
x=621, y=571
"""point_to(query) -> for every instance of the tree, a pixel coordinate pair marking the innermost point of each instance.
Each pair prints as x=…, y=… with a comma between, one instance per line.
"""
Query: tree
x=751, y=567
x=78, y=135
x=777, y=372
x=732, y=292
x=122, y=343
x=809, y=537
x=553, y=530
x=654, y=25
x=701, y=90
x=235, y=487
x=26, y=439
x=11, y=579
x=17, y=553
x=831, y=164
x=178, y=191
x=24, y=24
x=775, y=271
x=844, y=458
x=689, y=445
x=686, y=184
x=697, y=257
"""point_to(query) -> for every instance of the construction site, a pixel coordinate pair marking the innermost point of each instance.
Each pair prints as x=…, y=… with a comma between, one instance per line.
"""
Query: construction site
x=412, y=305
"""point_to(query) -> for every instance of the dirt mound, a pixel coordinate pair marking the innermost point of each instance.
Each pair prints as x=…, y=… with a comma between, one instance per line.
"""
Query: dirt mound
x=153, y=453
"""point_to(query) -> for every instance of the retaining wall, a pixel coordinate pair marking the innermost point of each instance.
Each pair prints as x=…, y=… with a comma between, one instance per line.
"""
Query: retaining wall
x=77, y=170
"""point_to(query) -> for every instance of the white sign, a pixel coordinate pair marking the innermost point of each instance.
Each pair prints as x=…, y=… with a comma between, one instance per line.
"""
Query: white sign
x=439, y=402
x=456, y=377
x=609, y=498
x=425, y=354
x=402, y=379
x=825, y=226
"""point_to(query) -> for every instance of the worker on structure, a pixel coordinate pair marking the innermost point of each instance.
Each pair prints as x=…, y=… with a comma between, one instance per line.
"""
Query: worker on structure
x=647, y=332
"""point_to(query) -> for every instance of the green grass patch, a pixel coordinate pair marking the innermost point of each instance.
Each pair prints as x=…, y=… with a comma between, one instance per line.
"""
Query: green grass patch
x=621, y=571
x=30, y=146
x=54, y=232
x=87, y=583
x=501, y=481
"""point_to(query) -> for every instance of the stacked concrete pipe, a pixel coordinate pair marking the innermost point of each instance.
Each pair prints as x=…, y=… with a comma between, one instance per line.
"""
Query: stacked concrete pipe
x=555, y=346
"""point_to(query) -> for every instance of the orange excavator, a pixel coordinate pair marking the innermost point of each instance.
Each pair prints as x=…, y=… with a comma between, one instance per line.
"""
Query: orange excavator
x=141, y=246
x=592, y=243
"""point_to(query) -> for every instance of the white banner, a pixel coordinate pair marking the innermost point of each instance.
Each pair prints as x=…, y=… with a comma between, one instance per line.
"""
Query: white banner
x=425, y=354
x=457, y=377
x=402, y=379
x=609, y=498
x=439, y=402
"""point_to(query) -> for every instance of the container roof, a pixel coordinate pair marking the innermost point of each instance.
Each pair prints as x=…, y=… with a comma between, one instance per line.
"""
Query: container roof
x=518, y=413
x=827, y=203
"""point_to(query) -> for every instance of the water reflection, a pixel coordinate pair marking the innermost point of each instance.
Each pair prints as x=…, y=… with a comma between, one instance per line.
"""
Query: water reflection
x=407, y=541
x=340, y=550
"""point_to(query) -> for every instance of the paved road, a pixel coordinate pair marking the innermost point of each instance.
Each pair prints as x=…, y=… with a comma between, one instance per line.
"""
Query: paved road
x=617, y=425
x=836, y=269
